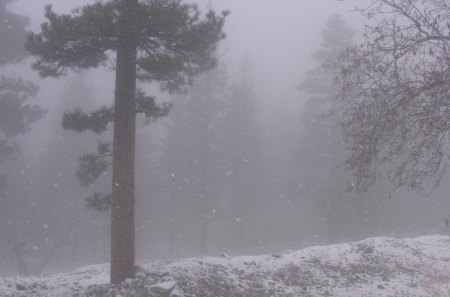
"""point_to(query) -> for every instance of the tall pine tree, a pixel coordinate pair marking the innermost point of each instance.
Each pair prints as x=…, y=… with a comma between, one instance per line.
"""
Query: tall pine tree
x=16, y=117
x=13, y=30
x=192, y=156
x=243, y=162
x=317, y=177
x=162, y=41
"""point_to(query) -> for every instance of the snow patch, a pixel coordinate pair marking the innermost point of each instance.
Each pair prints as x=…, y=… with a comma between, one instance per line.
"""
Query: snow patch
x=373, y=267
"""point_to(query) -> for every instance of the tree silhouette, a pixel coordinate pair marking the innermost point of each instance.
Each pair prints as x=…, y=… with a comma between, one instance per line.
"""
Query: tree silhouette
x=162, y=41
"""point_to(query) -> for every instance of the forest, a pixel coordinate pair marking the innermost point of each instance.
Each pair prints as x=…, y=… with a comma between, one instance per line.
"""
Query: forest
x=141, y=130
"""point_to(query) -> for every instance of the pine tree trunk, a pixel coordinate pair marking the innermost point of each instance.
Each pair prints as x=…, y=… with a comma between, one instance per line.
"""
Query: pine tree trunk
x=122, y=216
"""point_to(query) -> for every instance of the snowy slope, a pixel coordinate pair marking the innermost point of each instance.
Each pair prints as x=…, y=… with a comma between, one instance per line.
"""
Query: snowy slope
x=372, y=267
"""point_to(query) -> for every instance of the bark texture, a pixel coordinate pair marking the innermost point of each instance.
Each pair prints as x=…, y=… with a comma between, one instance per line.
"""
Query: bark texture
x=122, y=216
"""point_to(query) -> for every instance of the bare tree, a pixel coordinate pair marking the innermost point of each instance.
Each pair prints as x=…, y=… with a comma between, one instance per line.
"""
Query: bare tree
x=396, y=90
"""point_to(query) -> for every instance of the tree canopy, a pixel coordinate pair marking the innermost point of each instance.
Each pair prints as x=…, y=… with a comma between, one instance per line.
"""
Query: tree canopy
x=396, y=89
x=13, y=29
x=173, y=42
x=16, y=116
x=317, y=176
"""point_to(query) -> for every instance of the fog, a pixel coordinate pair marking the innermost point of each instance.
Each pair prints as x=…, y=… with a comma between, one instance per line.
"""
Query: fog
x=244, y=163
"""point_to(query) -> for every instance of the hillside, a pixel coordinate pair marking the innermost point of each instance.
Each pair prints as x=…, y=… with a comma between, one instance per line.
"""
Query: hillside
x=372, y=267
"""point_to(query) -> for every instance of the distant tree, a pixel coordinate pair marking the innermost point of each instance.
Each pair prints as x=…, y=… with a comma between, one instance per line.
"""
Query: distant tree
x=16, y=115
x=163, y=41
x=317, y=176
x=57, y=192
x=13, y=30
x=395, y=88
x=192, y=154
x=242, y=147
x=16, y=118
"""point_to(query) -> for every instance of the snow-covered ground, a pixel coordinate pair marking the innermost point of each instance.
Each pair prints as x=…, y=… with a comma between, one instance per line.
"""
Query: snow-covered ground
x=372, y=267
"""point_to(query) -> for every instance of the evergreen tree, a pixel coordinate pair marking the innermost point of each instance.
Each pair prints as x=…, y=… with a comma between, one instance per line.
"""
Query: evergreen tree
x=164, y=41
x=16, y=118
x=42, y=223
x=192, y=155
x=13, y=34
x=242, y=147
x=318, y=178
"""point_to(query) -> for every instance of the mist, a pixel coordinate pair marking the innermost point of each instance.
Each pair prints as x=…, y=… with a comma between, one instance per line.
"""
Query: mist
x=249, y=159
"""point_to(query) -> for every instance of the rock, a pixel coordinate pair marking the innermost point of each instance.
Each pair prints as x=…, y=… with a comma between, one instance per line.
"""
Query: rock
x=176, y=292
x=20, y=287
x=276, y=256
x=368, y=250
x=128, y=281
x=224, y=255
x=163, y=288
x=139, y=270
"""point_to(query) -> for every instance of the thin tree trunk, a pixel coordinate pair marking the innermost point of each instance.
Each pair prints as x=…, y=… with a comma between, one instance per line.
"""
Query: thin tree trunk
x=172, y=226
x=172, y=238
x=19, y=255
x=203, y=217
x=122, y=212
x=203, y=234
x=236, y=235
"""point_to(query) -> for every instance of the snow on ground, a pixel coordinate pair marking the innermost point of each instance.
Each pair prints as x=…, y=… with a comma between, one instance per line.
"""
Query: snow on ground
x=372, y=267
x=61, y=284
